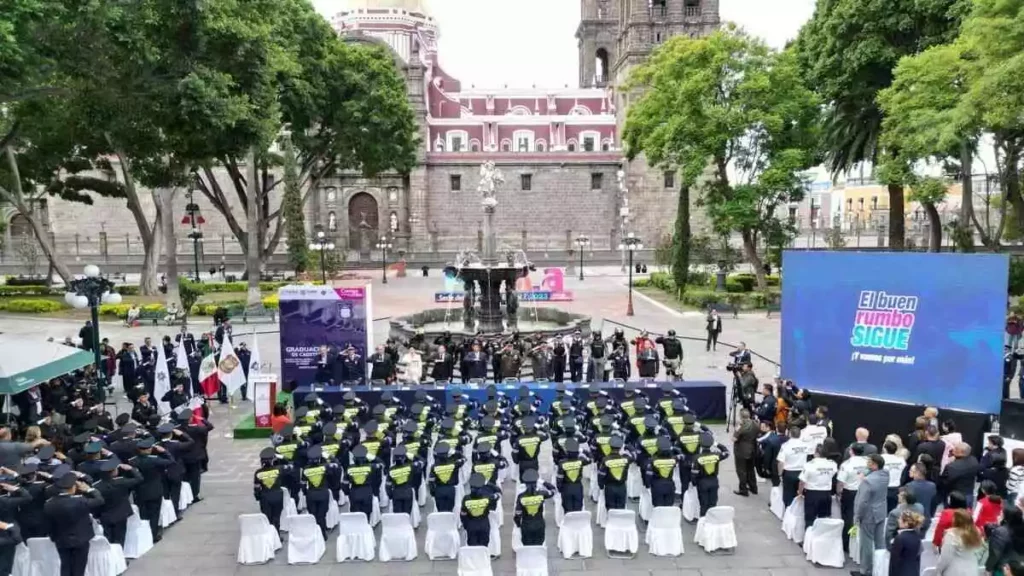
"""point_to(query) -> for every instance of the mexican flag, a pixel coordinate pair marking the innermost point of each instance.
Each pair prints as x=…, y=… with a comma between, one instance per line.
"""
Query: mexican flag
x=208, y=380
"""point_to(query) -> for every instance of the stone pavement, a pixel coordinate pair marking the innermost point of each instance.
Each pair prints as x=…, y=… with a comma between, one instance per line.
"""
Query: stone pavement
x=204, y=543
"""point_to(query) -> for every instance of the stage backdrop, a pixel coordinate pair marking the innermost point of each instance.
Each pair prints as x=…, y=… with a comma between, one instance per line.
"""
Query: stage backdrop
x=906, y=327
x=312, y=316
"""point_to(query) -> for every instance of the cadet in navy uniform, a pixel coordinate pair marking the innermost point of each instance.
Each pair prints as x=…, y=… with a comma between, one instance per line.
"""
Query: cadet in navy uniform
x=569, y=476
x=706, y=466
x=400, y=481
x=316, y=486
x=612, y=474
x=150, y=493
x=529, y=509
x=816, y=487
x=10, y=537
x=444, y=477
x=660, y=473
x=177, y=445
x=115, y=489
x=362, y=481
x=792, y=459
x=475, y=511
x=69, y=522
x=267, y=484
x=30, y=514
x=196, y=457
x=526, y=448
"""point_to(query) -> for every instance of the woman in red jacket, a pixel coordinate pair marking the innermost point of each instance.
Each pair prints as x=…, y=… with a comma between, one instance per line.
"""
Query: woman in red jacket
x=955, y=501
x=990, y=507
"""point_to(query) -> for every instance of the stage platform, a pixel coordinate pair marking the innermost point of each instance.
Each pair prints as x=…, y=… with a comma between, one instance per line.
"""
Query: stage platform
x=705, y=398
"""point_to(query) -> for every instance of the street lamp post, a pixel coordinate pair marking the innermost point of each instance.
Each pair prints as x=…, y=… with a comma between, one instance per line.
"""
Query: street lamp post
x=582, y=241
x=384, y=244
x=90, y=292
x=322, y=244
x=631, y=244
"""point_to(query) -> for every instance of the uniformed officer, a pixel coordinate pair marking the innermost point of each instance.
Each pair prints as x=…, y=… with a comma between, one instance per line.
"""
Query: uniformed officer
x=851, y=473
x=816, y=487
x=115, y=483
x=706, y=467
x=569, y=476
x=612, y=474
x=195, y=458
x=526, y=447
x=152, y=463
x=69, y=522
x=353, y=408
x=267, y=484
x=451, y=433
x=566, y=431
x=400, y=486
x=12, y=496
x=604, y=430
x=30, y=514
x=660, y=473
x=444, y=477
x=792, y=459
x=529, y=509
x=316, y=487
x=378, y=446
x=475, y=511
x=649, y=434
x=488, y=463
x=362, y=481
x=177, y=445
x=673, y=355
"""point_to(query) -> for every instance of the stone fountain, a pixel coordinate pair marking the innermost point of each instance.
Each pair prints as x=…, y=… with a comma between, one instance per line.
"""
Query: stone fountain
x=490, y=304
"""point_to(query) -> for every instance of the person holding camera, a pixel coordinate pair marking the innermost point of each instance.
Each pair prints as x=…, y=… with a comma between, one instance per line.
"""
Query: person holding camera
x=747, y=381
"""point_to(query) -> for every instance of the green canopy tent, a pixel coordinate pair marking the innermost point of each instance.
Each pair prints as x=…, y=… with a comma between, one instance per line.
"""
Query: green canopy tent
x=25, y=363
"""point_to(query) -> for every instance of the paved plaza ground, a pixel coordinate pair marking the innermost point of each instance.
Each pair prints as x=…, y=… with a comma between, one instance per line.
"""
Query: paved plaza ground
x=205, y=541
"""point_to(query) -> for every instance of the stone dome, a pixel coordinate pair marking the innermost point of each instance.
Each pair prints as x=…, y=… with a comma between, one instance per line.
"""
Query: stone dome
x=419, y=6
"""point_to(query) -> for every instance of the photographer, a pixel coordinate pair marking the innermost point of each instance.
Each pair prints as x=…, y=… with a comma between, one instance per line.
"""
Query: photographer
x=769, y=405
x=673, y=355
x=744, y=384
x=740, y=355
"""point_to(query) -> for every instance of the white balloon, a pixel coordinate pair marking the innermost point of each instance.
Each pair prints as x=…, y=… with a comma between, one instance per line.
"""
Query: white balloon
x=113, y=298
x=69, y=298
x=92, y=271
x=81, y=302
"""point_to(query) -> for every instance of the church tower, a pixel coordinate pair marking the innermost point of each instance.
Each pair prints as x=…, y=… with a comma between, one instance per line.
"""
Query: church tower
x=596, y=35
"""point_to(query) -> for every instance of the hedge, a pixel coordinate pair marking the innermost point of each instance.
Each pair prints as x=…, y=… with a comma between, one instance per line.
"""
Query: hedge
x=702, y=297
x=31, y=306
x=24, y=281
x=17, y=289
x=8, y=291
x=200, y=309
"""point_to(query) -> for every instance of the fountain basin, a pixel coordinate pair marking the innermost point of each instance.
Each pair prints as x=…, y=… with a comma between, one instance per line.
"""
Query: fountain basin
x=548, y=323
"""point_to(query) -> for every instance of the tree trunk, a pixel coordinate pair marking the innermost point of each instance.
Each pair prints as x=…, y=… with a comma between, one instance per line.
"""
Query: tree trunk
x=750, y=251
x=681, y=242
x=148, y=285
x=1011, y=182
x=897, y=221
x=934, y=227
x=967, y=195
x=17, y=199
x=167, y=223
x=252, y=256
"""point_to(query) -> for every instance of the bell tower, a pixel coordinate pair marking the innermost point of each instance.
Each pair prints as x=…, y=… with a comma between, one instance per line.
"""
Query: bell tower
x=596, y=36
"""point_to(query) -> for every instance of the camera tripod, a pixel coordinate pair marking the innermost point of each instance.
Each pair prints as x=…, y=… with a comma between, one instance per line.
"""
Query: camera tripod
x=737, y=392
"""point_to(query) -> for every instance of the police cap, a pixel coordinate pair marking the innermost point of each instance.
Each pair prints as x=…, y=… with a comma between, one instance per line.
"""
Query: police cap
x=400, y=451
x=360, y=451
x=615, y=442
x=664, y=444
x=349, y=396
x=492, y=391
x=571, y=445
x=667, y=387
x=268, y=454
x=707, y=440
x=530, y=476
x=568, y=423
x=122, y=419
x=410, y=427
x=301, y=412
x=441, y=449
x=448, y=424
x=165, y=428
x=420, y=395
x=26, y=469
x=92, y=448
x=529, y=423
x=330, y=429
x=82, y=438
x=607, y=421
x=379, y=410
x=560, y=387
x=185, y=415
x=483, y=447
x=387, y=396
x=491, y=406
x=477, y=480
x=146, y=443
x=66, y=480
x=524, y=391
x=312, y=398
x=689, y=419
x=650, y=421
x=488, y=422
x=370, y=427
x=109, y=465
x=46, y=452
x=679, y=405
x=317, y=452
x=631, y=387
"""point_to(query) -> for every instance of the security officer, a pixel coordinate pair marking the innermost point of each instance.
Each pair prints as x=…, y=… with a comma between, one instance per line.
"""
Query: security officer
x=487, y=463
x=529, y=509
x=195, y=458
x=598, y=350
x=569, y=476
x=604, y=431
x=612, y=474
x=816, y=487
x=152, y=463
x=30, y=514
x=317, y=478
x=659, y=475
x=378, y=446
x=670, y=399
x=68, y=516
x=475, y=510
x=675, y=418
x=673, y=355
x=116, y=489
x=400, y=484
x=353, y=409
x=444, y=477
x=851, y=473
x=490, y=432
x=566, y=431
x=706, y=467
x=177, y=445
x=576, y=358
x=362, y=481
x=792, y=459
x=526, y=447
x=267, y=484
x=12, y=497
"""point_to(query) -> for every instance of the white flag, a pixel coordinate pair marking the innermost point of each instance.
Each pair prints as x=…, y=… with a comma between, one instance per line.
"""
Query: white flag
x=229, y=369
x=254, y=360
x=180, y=358
x=161, y=380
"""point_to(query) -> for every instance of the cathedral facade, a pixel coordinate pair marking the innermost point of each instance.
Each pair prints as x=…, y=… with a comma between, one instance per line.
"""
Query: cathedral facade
x=559, y=151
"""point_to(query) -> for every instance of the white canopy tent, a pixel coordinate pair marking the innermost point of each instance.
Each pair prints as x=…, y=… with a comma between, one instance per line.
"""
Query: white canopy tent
x=25, y=363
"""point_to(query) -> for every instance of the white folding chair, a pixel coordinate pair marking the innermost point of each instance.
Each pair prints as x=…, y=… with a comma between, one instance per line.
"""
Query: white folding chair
x=186, y=498
x=305, y=540
x=397, y=539
x=22, y=563
x=602, y=510
x=634, y=484
x=375, y=512
x=474, y=561
x=620, y=535
x=494, y=544
x=665, y=531
x=646, y=505
x=823, y=542
x=443, y=538
x=559, y=510
x=576, y=535
x=775, y=502
x=355, y=538
x=259, y=540
x=43, y=557
x=332, y=513
x=138, y=538
x=104, y=559
x=691, y=504
x=532, y=561
x=290, y=510
x=793, y=521
x=880, y=565
x=717, y=530
x=168, y=515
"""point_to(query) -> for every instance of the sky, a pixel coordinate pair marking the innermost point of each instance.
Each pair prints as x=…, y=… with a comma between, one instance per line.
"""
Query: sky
x=524, y=43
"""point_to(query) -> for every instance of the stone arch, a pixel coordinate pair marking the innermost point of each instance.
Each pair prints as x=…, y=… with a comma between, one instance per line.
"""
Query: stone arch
x=601, y=60
x=19, y=226
x=362, y=207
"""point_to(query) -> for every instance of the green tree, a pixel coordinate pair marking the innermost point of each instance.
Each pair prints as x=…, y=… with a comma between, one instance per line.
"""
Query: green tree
x=930, y=192
x=729, y=100
x=294, y=219
x=847, y=52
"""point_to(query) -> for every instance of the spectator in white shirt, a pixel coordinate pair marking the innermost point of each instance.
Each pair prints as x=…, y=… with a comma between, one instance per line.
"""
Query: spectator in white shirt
x=894, y=465
x=1015, y=484
x=850, y=475
x=816, y=487
x=814, y=434
x=792, y=458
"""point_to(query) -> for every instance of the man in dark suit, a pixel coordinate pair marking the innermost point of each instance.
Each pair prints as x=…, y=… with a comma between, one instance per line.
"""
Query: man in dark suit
x=714, y=328
x=745, y=450
x=444, y=365
x=69, y=522
x=959, y=474
x=244, y=359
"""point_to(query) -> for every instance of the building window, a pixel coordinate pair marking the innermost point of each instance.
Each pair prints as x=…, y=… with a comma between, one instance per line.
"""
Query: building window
x=590, y=140
x=572, y=146
x=540, y=146
x=456, y=144
x=456, y=182
x=588, y=143
x=526, y=181
x=691, y=8
x=505, y=146
x=860, y=204
x=475, y=147
x=670, y=179
x=523, y=140
x=657, y=37
x=596, y=181
x=457, y=140
x=606, y=147
x=849, y=204
x=792, y=215
x=874, y=202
